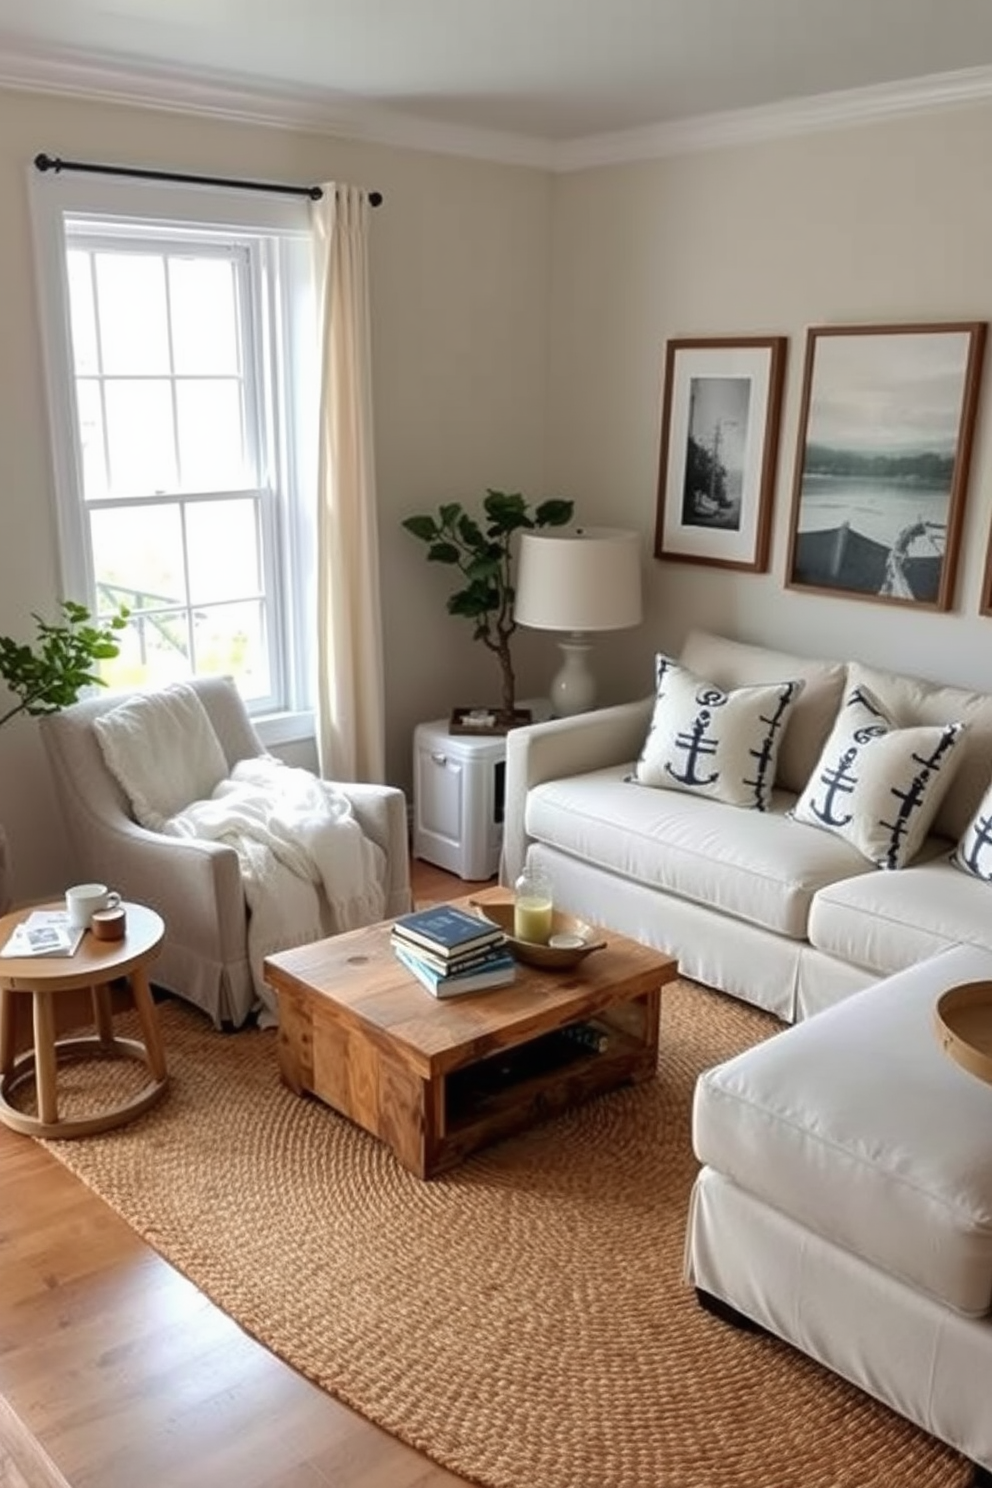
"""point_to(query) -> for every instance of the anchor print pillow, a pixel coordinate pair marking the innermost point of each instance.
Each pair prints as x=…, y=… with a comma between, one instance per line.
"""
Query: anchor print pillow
x=974, y=852
x=711, y=742
x=877, y=785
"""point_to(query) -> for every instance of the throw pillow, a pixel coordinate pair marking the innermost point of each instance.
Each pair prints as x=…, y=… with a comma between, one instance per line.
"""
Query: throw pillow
x=711, y=742
x=162, y=750
x=877, y=785
x=974, y=852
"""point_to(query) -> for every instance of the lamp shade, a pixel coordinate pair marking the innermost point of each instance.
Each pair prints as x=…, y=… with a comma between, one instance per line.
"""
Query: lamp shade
x=588, y=579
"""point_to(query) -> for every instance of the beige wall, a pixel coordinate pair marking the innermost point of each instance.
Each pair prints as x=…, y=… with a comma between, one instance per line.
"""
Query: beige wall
x=460, y=271
x=889, y=223
x=519, y=327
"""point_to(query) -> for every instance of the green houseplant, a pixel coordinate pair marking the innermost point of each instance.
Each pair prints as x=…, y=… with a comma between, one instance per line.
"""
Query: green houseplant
x=482, y=553
x=51, y=674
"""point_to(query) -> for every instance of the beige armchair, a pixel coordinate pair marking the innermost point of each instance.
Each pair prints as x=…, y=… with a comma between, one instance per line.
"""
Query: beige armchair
x=194, y=885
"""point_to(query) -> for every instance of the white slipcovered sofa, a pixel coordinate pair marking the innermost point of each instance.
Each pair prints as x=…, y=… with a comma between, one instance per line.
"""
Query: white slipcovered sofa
x=844, y=1202
x=784, y=915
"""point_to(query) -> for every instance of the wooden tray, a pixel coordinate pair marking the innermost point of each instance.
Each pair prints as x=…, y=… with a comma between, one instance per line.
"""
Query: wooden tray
x=963, y=1018
x=547, y=956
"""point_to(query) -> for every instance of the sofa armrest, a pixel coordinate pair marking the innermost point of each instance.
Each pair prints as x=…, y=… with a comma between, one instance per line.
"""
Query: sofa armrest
x=564, y=746
x=380, y=811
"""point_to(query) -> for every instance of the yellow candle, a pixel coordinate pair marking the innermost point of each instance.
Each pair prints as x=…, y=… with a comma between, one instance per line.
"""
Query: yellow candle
x=532, y=920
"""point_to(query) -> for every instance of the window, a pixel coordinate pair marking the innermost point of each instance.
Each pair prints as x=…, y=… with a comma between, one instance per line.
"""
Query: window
x=181, y=369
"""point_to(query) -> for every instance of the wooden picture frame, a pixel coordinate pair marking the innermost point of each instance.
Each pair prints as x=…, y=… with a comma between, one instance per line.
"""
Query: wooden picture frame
x=719, y=443
x=882, y=458
x=985, y=603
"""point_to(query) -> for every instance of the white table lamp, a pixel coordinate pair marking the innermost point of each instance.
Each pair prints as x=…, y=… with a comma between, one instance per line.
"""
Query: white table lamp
x=582, y=581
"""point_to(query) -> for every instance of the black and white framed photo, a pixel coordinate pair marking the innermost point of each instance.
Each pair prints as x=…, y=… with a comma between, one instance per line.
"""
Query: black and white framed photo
x=884, y=447
x=719, y=439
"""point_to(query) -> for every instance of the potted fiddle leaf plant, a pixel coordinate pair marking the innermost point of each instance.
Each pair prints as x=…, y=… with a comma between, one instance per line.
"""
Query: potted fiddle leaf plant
x=51, y=674
x=482, y=552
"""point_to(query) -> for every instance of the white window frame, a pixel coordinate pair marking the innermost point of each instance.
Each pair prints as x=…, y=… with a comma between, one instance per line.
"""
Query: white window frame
x=278, y=230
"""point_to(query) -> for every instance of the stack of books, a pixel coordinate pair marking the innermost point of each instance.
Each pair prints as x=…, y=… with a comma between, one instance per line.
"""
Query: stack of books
x=451, y=951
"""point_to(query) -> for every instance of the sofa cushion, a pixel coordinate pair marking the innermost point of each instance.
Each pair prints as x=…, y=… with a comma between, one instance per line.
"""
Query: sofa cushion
x=162, y=749
x=859, y=1126
x=877, y=785
x=974, y=852
x=887, y=921
x=912, y=701
x=740, y=664
x=711, y=742
x=759, y=866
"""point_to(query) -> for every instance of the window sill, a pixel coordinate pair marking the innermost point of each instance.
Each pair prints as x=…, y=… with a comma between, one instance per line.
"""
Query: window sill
x=284, y=728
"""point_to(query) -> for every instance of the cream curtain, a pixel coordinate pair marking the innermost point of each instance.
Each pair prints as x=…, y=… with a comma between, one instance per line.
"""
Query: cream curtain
x=350, y=707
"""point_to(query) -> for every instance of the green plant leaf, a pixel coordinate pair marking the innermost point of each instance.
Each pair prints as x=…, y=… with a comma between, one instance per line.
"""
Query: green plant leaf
x=554, y=513
x=423, y=527
x=443, y=552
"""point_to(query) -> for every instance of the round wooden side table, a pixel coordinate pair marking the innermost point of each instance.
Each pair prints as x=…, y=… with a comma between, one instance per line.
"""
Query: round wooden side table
x=95, y=965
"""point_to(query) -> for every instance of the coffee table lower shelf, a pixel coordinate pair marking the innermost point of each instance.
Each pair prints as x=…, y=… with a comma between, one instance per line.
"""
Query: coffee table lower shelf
x=433, y=1123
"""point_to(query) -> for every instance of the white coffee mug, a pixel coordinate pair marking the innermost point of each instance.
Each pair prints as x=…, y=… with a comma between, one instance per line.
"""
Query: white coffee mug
x=83, y=900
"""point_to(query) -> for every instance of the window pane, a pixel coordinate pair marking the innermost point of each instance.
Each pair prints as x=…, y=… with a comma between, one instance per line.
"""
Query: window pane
x=90, y=413
x=82, y=313
x=230, y=639
x=211, y=443
x=204, y=316
x=154, y=651
x=222, y=537
x=140, y=437
x=131, y=305
x=138, y=557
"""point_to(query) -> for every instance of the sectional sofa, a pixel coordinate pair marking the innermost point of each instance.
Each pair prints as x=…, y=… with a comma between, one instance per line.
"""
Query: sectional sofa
x=783, y=914
x=844, y=1198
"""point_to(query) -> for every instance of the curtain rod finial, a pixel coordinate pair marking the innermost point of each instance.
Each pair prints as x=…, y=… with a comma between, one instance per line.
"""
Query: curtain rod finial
x=375, y=198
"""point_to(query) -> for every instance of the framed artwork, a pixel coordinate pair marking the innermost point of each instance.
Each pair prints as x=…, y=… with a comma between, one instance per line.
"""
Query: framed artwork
x=985, y=605
x=884, y=446
x=719, y=440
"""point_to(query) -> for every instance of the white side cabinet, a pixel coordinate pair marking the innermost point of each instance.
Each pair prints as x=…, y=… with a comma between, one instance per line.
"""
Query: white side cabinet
x=458, y=790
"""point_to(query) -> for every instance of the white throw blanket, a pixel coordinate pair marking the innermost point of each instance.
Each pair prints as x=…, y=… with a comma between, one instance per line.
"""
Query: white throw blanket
x=307, y=867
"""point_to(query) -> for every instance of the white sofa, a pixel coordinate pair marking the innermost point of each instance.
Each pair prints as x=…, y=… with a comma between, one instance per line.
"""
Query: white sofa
x=786, y=916
x=845, y=1200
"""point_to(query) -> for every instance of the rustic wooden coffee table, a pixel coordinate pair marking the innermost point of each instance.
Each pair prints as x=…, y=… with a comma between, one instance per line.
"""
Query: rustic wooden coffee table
x=438, y=1079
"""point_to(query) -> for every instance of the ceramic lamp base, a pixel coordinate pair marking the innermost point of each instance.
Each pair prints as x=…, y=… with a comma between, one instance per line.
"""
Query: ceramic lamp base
x=574, y=688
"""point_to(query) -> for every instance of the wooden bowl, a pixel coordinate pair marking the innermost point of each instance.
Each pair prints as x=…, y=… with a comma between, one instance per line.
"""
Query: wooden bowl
x=963, y=1019
x=548, y=956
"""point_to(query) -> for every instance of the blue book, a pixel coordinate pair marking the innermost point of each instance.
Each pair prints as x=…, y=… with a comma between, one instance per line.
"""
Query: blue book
x=447, y=930
x=500, y=973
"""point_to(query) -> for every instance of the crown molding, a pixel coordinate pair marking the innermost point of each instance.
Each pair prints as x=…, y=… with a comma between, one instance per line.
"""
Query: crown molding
x=794, y=116
x=218, y=95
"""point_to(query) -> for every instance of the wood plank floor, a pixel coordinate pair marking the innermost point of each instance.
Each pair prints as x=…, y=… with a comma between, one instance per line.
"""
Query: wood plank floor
x=116, y=1373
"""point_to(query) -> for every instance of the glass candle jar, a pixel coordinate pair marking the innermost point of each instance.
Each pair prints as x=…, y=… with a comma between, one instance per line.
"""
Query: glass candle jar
x=532, y=906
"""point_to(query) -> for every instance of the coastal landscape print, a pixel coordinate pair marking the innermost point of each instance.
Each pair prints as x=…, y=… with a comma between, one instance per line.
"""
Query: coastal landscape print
x=719, y=436
x=882, y=464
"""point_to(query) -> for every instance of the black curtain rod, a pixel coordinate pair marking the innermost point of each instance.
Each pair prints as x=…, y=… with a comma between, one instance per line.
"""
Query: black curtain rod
x=54, y=163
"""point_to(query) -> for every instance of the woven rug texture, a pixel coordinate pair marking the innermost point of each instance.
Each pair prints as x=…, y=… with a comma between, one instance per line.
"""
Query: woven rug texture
x=522, y=1320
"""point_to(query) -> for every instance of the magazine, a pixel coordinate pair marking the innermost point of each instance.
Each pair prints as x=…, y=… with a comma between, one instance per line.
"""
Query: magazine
x=45, y=932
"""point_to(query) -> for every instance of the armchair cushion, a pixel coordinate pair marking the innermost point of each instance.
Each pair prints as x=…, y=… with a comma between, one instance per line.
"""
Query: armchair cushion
x=162, y=750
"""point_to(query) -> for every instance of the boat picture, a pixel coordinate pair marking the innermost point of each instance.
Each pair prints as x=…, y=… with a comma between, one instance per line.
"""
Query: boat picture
x=885, y=440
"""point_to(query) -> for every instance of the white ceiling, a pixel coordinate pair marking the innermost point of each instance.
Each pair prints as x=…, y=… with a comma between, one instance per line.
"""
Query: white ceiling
x=550, y=71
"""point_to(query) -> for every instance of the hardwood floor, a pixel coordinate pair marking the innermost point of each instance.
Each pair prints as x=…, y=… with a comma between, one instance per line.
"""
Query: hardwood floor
x=116, y=1373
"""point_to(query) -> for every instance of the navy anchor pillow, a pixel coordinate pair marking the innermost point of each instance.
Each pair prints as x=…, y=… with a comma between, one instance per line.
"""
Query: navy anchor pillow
x=877, y=785
x=974, y=852
x=711, y=742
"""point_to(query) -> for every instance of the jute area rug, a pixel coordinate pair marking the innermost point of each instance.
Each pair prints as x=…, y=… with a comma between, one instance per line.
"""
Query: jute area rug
x=523, y=1320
